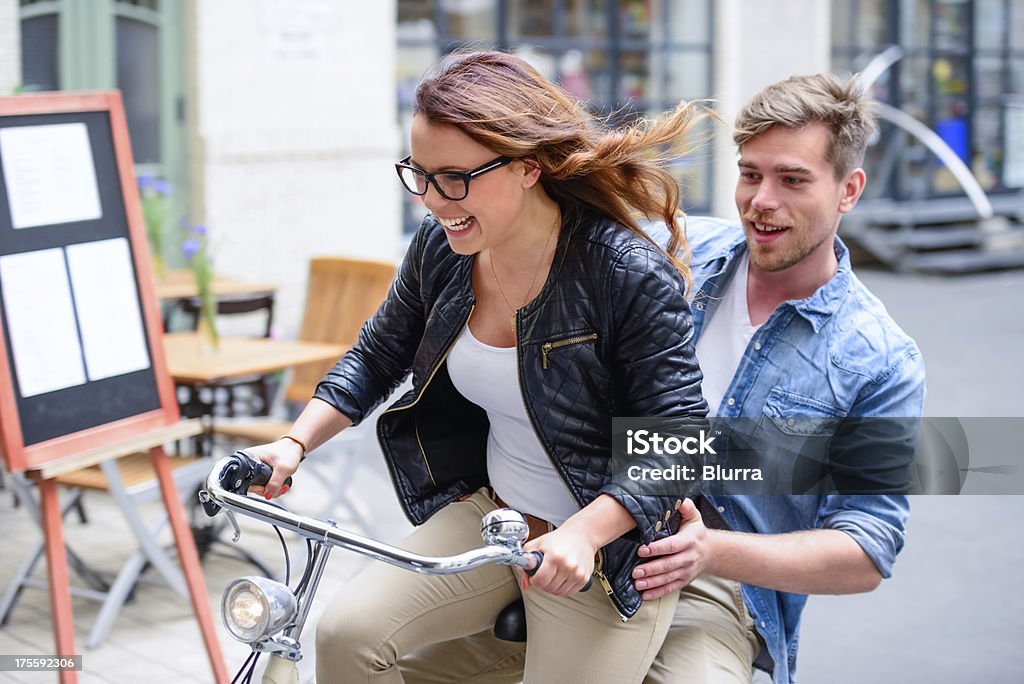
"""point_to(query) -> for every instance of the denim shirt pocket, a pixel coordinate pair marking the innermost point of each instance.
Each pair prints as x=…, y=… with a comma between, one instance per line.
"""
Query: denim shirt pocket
x=800, y=416
x=796, y=432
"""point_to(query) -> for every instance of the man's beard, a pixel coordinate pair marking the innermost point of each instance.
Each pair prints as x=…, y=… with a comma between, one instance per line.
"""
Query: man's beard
x=781, y=258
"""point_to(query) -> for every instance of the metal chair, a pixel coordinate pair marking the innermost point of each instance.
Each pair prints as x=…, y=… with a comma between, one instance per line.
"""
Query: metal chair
x=131, y=482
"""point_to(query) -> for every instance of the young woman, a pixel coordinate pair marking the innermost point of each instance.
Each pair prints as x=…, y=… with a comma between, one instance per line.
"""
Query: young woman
x=530, y=310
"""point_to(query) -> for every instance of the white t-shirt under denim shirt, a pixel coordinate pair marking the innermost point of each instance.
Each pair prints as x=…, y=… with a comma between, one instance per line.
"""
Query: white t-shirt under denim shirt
x=520, y=470
x=724, y=338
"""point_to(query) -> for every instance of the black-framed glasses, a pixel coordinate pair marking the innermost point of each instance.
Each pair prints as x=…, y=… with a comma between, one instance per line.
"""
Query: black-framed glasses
x=452, y=185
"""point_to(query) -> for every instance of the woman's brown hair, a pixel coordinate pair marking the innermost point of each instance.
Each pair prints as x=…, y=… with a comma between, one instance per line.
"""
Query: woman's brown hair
x=506, y=105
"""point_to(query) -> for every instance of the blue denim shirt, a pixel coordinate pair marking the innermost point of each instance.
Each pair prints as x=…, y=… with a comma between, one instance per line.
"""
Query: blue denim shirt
x=835, y=354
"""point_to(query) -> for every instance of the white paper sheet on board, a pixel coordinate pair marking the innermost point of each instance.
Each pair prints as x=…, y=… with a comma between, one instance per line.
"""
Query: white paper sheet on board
x=103, y=280
x=49, y=174
x=41, y=322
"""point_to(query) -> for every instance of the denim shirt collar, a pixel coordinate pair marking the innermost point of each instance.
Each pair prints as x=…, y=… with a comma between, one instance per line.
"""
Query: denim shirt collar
x=816, y=309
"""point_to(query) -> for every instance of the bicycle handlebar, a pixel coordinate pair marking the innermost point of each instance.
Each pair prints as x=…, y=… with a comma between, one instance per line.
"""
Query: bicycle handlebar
x=241, y=471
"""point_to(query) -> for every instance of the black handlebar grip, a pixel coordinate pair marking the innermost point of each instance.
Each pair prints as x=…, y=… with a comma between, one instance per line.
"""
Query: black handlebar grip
x=263, y=473
x=540, y=559
x=249, y=472
x=241, y=473
x=539, y=556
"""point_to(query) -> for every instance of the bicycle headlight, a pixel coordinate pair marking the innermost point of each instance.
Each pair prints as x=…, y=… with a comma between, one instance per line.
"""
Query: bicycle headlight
x=256, y=607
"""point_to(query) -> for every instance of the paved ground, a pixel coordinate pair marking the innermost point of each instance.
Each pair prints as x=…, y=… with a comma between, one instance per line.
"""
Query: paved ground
x=953, y=613
x=971, y=333
x=156, y=639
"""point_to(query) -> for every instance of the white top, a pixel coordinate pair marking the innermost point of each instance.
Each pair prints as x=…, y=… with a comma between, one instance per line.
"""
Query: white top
x=724, y=338
x=520, y=471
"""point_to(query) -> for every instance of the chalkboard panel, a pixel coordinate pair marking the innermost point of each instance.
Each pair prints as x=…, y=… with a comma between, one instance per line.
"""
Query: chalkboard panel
x=81, y=345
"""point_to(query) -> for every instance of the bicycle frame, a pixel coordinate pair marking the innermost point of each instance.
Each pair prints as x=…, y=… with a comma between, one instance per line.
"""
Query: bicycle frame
x=503, y=531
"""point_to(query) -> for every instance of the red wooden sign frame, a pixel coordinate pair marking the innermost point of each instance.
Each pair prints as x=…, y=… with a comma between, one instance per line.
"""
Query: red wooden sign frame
x=12, y=448
x=148, y=430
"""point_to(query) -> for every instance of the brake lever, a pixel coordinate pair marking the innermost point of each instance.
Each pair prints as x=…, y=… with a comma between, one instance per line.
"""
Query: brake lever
x=234, y=526
x=212, y=509
x=209, y=505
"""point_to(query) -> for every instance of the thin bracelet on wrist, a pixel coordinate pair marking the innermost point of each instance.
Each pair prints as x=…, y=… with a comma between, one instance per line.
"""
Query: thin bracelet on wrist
x=302, y=445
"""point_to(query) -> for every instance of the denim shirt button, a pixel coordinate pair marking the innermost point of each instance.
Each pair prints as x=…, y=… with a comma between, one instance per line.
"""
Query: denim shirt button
x=721, y=509
x=791, y=422
x=731, y=402
x=757, y=346
x=763, y=625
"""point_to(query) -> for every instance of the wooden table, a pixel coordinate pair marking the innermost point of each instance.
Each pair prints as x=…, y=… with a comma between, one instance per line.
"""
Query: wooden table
x=191, y=361
x=181, y=284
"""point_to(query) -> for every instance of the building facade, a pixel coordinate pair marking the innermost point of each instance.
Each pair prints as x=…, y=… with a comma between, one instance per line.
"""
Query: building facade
x=279, y=119
x=274, y=120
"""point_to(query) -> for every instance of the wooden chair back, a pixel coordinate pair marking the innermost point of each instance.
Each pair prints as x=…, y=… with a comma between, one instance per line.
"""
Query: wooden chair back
x=342, y=294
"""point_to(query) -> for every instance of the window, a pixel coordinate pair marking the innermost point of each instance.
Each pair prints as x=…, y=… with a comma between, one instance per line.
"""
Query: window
x=39, y=41
x=131, y=45
x=960, y=74
x=137, y=43
x=624, y=58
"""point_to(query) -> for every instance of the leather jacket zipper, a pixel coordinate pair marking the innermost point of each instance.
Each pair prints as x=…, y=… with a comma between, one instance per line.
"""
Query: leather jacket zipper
x=545, y=348
x=549, y=347
x=536, y=432
x=605, y=583
x=433, y=371
x=423, y=452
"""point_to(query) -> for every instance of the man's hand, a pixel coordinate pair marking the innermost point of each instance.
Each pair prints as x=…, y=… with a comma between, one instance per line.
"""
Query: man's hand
x=685, y=555
x=818, y=561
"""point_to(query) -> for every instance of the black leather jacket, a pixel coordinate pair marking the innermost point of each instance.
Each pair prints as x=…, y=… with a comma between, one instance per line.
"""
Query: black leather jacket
x=610, y=334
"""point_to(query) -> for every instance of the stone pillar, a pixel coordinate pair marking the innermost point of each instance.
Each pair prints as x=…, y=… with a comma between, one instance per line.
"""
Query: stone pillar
x=10, y=47
x=758, y=43
x=294, y=136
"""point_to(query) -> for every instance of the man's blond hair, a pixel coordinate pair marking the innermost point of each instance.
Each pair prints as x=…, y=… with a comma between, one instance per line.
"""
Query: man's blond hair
x=838, y=103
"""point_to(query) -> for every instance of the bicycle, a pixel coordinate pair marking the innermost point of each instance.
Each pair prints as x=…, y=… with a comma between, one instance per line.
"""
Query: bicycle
x=269, y=615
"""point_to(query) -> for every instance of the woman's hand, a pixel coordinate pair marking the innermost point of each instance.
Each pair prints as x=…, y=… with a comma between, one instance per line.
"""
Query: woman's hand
x=569, y=551
x=317, y=423
x=568, y=562
x=283, y=456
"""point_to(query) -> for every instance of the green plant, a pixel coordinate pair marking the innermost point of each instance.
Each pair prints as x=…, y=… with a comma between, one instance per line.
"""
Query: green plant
x=157, y=207
x=196, y=249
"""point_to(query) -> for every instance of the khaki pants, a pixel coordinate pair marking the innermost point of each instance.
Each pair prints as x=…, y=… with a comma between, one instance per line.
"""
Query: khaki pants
x=712, y=641
x=387, y=613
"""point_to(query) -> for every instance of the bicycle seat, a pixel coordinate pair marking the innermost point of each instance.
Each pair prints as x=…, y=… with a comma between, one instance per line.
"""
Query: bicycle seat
x=511, y=622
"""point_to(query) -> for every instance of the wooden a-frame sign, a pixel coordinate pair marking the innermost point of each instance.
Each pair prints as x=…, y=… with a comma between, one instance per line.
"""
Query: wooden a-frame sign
x=83, y=376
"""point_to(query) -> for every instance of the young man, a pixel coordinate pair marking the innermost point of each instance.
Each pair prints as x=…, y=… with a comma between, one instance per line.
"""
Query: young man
x=786, y=334
x=786, y=331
